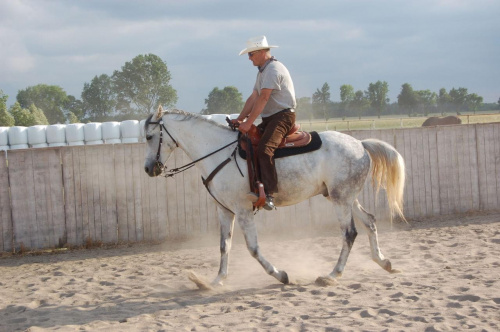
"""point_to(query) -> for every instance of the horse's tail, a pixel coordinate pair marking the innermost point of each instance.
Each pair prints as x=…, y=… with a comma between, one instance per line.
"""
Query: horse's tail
x=388, y=172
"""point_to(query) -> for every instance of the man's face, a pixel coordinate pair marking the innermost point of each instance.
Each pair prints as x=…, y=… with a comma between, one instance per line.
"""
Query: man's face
x=257, y=57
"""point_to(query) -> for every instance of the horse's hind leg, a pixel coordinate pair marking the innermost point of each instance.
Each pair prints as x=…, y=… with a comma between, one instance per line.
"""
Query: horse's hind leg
x=349, y=234
x=249, y=230
x=226, y=221
x=368, y=220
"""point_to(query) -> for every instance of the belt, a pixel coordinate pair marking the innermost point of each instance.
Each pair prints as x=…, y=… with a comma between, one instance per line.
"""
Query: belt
x=286, y=110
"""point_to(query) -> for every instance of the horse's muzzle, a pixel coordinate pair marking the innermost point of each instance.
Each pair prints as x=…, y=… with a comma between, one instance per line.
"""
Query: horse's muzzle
x=154, y=170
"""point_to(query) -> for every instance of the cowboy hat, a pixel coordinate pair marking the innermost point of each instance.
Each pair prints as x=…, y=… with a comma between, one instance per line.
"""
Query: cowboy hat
x=256, y=43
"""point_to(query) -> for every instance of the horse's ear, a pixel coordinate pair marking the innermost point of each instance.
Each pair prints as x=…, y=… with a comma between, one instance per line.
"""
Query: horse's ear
x=159, y=113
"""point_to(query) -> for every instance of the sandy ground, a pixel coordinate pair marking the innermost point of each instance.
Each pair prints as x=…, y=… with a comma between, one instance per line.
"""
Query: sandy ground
x=450, y=281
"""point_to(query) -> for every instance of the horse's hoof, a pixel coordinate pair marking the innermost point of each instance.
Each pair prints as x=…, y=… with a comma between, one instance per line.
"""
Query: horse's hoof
x=217, y=283
x=395, y=271
x=387, y=265
x=326, y=281
x=284, y=278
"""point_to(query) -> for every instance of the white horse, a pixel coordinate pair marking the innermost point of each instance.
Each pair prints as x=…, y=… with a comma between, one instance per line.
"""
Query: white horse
x=337, y=170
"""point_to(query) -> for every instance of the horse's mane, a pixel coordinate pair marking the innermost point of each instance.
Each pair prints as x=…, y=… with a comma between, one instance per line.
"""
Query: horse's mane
x=185, y=116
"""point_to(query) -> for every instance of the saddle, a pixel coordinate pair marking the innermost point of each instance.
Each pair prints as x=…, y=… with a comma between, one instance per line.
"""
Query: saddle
x=293, y=139
x=249, y=142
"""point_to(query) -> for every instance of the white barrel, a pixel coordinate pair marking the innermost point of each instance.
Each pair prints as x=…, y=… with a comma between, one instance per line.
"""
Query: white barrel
x=130, y=140
x=130, y=129
x=40, y=145
x=37, y=135
x=4, y=147
x=18, y=135
x=76, y=143
x=19, y=146
x=113, y=141
x=234, y=116
x=207, y=116
x=219, y=118
x=56, y=135
x=96, y=142
x=92, y=132
x=74, y=133
x=4, y=136
x=141, y=128
x=110, y=130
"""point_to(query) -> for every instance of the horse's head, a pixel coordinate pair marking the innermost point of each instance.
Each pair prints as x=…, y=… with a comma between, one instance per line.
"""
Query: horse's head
x=159, y=143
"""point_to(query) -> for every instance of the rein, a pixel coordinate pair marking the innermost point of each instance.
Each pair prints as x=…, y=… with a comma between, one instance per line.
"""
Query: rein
x=181, y=169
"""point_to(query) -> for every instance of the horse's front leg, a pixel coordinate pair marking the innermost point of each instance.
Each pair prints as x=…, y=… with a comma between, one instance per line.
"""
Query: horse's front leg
x=247, y=225
x=226, y=221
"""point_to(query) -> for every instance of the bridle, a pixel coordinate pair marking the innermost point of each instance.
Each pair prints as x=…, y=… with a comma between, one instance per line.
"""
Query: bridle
x=180, y=169
x=158, y=155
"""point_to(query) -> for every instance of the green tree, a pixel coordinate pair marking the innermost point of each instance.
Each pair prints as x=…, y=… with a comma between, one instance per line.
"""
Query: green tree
x=360, y=103
x=346, y=98
x=38, y=116
x=6, y=119
x=427, y=101
x=226, y=101
x=304, y=108
x=50, y=98
x=407, y=99
x=459, y=99
x=22, y=116
x=443, y=101
x=98, y=99
x=377, y=94
x=4, y=97
x=321, y=101
x=142, y=85
x=74, y=108
x=473, y=102
x=72, y=118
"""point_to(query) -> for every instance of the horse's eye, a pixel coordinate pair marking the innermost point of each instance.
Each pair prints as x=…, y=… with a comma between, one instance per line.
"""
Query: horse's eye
x=149, y=137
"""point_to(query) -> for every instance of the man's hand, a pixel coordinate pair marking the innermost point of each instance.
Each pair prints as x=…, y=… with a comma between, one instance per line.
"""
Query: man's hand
x=244, y=127
x=235, y=123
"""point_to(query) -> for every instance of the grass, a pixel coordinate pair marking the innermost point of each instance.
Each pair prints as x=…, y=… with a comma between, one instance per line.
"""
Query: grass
x=386, y=122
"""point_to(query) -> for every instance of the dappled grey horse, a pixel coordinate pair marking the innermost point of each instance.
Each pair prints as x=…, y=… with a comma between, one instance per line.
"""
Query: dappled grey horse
x=338, y=171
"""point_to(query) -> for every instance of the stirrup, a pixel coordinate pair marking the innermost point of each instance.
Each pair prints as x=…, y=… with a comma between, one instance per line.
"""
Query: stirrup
x=269, y=206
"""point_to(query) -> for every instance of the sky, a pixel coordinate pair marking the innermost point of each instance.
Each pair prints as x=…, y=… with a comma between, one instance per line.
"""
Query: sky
x=430, y=44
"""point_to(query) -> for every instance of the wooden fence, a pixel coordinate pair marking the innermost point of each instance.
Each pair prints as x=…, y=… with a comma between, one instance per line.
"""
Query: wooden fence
x=51, y=197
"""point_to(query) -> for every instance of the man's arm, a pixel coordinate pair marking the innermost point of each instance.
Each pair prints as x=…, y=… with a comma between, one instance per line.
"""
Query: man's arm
x=248, y=106
x=259, y=102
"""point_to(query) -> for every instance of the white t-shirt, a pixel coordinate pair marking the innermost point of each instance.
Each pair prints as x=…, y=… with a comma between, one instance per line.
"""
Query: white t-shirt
x=275, y=76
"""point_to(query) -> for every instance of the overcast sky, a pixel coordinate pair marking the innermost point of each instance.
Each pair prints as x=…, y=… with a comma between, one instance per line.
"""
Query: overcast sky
x=430, y=44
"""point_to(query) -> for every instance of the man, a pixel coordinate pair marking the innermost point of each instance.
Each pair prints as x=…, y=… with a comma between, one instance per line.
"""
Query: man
x=273, y=98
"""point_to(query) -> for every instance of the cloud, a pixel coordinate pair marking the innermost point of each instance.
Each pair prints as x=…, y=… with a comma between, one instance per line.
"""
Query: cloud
x=427, y=43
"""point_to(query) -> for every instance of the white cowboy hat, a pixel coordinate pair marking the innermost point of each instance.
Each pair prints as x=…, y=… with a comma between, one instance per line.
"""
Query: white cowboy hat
x=256, y=43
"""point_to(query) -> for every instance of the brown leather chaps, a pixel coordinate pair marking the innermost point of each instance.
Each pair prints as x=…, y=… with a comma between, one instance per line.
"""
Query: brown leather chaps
x=275, y=128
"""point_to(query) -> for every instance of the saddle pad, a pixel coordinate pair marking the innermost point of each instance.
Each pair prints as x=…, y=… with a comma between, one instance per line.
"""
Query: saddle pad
x=314, y=145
